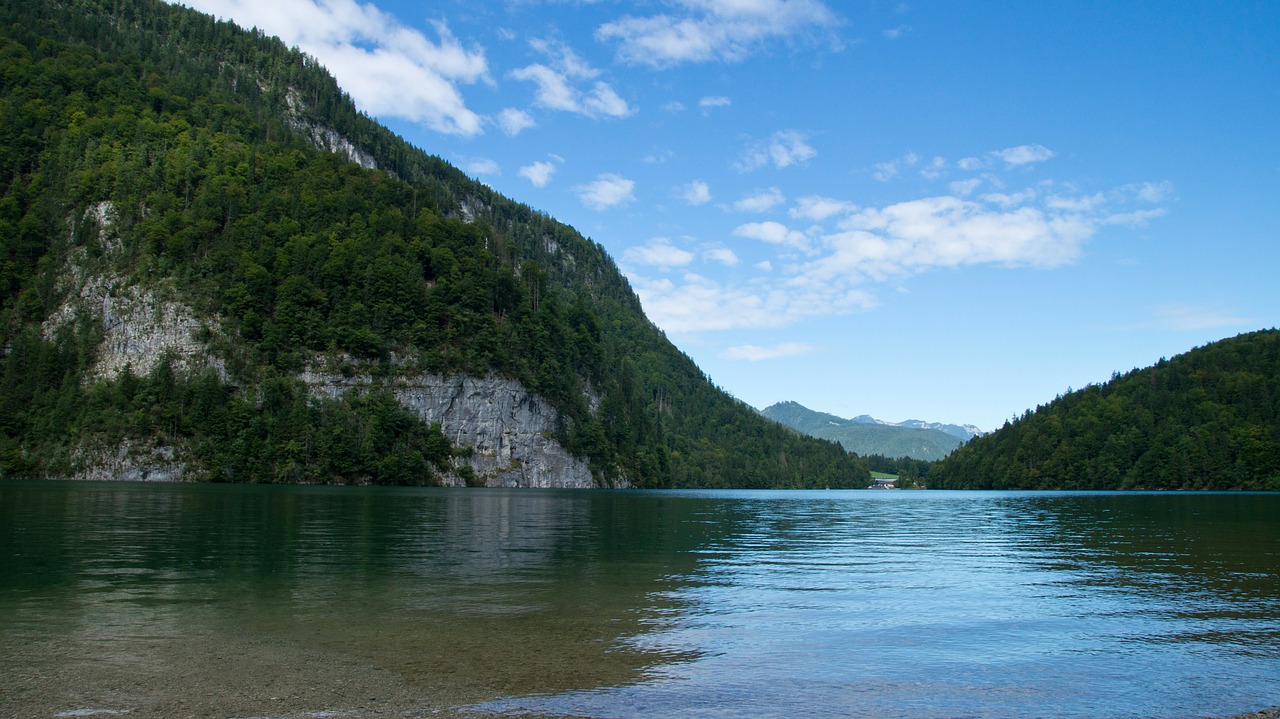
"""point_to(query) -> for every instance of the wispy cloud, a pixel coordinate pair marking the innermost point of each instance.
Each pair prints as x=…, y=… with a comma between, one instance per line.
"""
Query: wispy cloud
x=695, y=193
x=1185, y=317
x=721, y=254
x=775, y=233
x=946, y=231
x=695, y=303
x=710, y=103
x=832, y=267
x=754, y=353
x=658, y=252
x=1018, y=156
x=389, y=69
x=714, y=30
x=886, y=171
x=784, y=149
x=1024, y=154
x=608, y=190
x=557, y=87
x=481, y=166
x=539, y=173
x=760, y=201
x=818, y=209
x=513, y=121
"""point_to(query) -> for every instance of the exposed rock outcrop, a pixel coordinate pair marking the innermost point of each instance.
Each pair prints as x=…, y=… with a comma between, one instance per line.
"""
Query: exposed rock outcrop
x=139, y=325
x=325, y=138
x=508, y=430
x=130, y=463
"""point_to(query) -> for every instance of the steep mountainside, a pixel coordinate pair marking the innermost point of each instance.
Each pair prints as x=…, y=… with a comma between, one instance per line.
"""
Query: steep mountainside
x=1207, y=419
x=865, y=436
x=213, y=267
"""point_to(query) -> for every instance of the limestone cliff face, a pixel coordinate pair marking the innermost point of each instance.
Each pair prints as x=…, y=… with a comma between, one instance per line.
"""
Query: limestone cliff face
x=140, y=324
x=508, y=430
x=130, y=462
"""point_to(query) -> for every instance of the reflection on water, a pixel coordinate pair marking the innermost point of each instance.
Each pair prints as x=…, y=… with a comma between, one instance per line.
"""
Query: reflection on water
x=225, y=601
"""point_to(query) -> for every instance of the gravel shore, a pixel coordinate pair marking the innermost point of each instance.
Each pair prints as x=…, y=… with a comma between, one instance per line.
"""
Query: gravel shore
x=216, y=676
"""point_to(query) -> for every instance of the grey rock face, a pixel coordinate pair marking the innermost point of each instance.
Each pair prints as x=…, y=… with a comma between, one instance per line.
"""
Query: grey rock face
x=126, y=462
x=140, y=325
x=508, y=429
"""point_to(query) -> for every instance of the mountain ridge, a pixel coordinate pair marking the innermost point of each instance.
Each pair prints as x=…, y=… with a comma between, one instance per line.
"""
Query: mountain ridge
x=1207, y=419
x=961, y=431
x=865, y=435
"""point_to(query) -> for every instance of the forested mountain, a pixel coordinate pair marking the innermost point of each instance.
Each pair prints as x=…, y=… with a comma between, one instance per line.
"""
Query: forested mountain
x=196, y=223
x=1207, y=419
x=864, y=435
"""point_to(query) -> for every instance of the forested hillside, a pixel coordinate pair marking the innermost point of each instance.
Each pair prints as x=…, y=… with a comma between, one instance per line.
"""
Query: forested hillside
x=221, y=183
x=1207, y=419
x=865, y=438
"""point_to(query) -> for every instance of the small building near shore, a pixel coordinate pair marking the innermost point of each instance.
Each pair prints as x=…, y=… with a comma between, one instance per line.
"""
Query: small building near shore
x=883, y=483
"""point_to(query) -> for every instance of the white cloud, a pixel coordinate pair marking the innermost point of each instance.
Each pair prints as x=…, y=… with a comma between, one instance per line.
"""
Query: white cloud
x=556, y=88
x=1182, y=317
x=539, y=173
x=964, y=188
x=897, y=32
x=710, y=103
x=1024, y=154
x=754, y=353
x=1137, y=218
x=935, y=169
x=1010, y=156
x=1146, y=192
x=829, y=269
x=761, y=201
x=775, y=233
x=699, y=304
x=1075, y=204
x=608, y=190
x=785, y=148
x=695, y=193
x=513, y=121
x=721, y=254
x=1007, y=200
x=886, y=171
x=481, y=166
x=658, y=252
x=388, y=69
x=949, y=232
x=673, y=106
x=818, y=209
x=713, y=30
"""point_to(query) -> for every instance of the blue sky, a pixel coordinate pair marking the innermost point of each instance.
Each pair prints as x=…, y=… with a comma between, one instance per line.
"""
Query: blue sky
x=932, y=210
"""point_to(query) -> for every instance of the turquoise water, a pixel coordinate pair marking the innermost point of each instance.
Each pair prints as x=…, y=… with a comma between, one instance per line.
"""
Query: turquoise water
x=209, y=600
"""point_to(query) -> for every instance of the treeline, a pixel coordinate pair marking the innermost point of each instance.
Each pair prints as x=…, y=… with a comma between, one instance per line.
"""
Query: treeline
x=186, y=130
x=912, y=473
x=1207, y=419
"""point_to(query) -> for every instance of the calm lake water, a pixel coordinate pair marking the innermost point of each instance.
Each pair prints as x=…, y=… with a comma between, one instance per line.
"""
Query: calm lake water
x=202, y=600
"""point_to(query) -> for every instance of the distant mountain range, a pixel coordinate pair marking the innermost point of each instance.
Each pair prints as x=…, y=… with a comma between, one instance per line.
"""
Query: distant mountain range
x=866, y=435
x=964, y=431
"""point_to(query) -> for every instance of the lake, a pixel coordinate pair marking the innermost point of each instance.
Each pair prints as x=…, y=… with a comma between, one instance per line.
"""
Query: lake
x=222, y=600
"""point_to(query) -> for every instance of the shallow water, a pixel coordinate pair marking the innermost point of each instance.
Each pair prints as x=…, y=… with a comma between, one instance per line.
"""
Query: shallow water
x=204, y=600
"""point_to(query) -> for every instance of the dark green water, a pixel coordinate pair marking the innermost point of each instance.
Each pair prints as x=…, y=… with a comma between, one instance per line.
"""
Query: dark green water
x=202, y=600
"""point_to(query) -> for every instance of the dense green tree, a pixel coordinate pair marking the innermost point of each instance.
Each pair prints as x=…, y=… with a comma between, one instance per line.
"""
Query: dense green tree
x=1207, y=419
